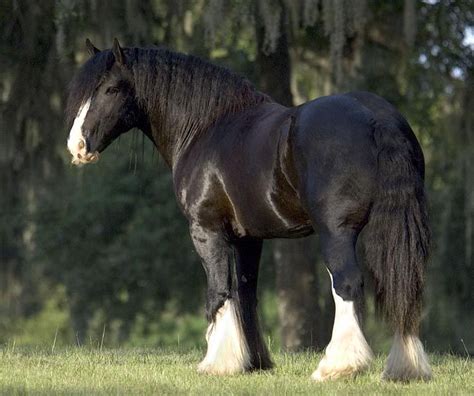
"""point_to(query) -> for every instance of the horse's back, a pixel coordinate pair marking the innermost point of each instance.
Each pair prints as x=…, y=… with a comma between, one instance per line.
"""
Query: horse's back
x=270, y=168
x=336, y=122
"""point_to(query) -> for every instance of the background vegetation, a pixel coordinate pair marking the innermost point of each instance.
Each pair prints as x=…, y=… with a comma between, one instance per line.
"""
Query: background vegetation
x=101, y=255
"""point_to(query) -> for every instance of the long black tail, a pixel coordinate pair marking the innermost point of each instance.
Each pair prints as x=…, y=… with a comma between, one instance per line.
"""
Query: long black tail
x=398, y=236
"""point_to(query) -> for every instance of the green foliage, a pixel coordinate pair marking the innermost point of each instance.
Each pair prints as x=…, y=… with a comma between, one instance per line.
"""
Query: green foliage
x=104, y=250
x=118, y=242
x=48, y=327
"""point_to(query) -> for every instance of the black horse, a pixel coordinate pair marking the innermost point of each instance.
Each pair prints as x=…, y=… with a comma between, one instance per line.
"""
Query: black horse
x=247, y=169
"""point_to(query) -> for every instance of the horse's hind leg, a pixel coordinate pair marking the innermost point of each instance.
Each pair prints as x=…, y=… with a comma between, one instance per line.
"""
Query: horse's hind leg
x=348, y=351
x=227, y=349
x=247, y=258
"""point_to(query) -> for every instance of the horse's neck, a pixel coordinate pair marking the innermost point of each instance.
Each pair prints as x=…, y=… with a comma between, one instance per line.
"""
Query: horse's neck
x=189, y=101
x=180, y=129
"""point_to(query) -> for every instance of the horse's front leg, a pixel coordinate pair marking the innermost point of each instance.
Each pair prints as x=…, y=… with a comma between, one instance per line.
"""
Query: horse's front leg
x=247, y=258
x=227, y=349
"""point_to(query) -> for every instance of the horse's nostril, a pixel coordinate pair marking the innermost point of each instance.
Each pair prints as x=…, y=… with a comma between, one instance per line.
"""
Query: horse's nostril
x=79, y=155
x=81, y=145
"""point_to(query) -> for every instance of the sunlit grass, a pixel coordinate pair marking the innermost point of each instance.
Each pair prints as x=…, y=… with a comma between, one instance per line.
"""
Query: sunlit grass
x=157, y=371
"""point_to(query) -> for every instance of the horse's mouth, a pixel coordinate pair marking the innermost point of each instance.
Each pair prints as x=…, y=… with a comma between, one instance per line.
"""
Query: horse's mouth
x=88, y=158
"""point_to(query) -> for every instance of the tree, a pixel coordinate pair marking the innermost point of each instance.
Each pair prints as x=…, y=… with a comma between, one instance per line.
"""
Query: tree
x=413, y=53
x=28, y=159
x=298, y=309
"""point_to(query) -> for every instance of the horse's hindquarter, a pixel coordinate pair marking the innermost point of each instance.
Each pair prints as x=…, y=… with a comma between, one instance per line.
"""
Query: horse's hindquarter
x=335, y=159
x=235, y=176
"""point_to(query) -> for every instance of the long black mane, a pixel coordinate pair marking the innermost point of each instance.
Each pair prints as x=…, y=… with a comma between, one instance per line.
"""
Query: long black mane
x=184, y=93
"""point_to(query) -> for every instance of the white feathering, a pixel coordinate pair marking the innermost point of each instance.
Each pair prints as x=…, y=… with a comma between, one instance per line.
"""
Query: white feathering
x=227, y=350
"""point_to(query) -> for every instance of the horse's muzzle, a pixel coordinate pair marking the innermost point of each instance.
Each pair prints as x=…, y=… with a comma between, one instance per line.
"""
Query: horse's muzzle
x=79, y=153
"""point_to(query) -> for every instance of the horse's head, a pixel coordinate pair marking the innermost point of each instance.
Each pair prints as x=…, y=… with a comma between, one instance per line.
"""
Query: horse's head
x=102, y=103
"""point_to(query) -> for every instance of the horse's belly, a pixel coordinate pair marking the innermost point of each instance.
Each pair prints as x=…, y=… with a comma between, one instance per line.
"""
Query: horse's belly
x=271, y=215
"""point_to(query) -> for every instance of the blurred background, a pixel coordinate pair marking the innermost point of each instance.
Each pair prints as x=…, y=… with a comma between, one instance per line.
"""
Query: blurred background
x=101, y=254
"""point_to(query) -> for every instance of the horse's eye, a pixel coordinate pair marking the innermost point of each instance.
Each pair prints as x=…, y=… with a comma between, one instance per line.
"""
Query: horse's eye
x=111, y=90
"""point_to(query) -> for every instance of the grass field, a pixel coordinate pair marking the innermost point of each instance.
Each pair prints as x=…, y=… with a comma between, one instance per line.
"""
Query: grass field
x=164, y=372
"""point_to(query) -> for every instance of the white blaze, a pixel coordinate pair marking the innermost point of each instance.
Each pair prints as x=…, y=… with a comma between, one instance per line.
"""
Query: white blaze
x=76, y=143
x=75, y=136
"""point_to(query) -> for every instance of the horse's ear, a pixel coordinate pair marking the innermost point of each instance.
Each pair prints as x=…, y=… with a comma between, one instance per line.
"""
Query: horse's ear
x=118, y=52
x=91, y=48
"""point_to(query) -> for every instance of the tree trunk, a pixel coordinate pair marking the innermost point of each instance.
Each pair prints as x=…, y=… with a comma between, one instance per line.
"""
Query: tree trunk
x=26, y=152
x=274, y=68
x=295, y=268
x=297, y=295
x=467, y=126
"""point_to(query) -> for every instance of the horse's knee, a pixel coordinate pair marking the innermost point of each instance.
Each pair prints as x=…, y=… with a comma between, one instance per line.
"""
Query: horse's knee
x=348, y=283
x=340, y=257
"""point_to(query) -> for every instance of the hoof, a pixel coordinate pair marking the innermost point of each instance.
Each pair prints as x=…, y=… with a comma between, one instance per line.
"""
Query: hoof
x=327, y=372
x=212, y=369
x=344, y=359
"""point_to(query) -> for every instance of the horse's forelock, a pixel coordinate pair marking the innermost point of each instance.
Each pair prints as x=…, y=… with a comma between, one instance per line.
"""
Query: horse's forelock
x=85, y=82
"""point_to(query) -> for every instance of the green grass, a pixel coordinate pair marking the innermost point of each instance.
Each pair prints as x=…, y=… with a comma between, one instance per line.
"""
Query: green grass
x=155, y=371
